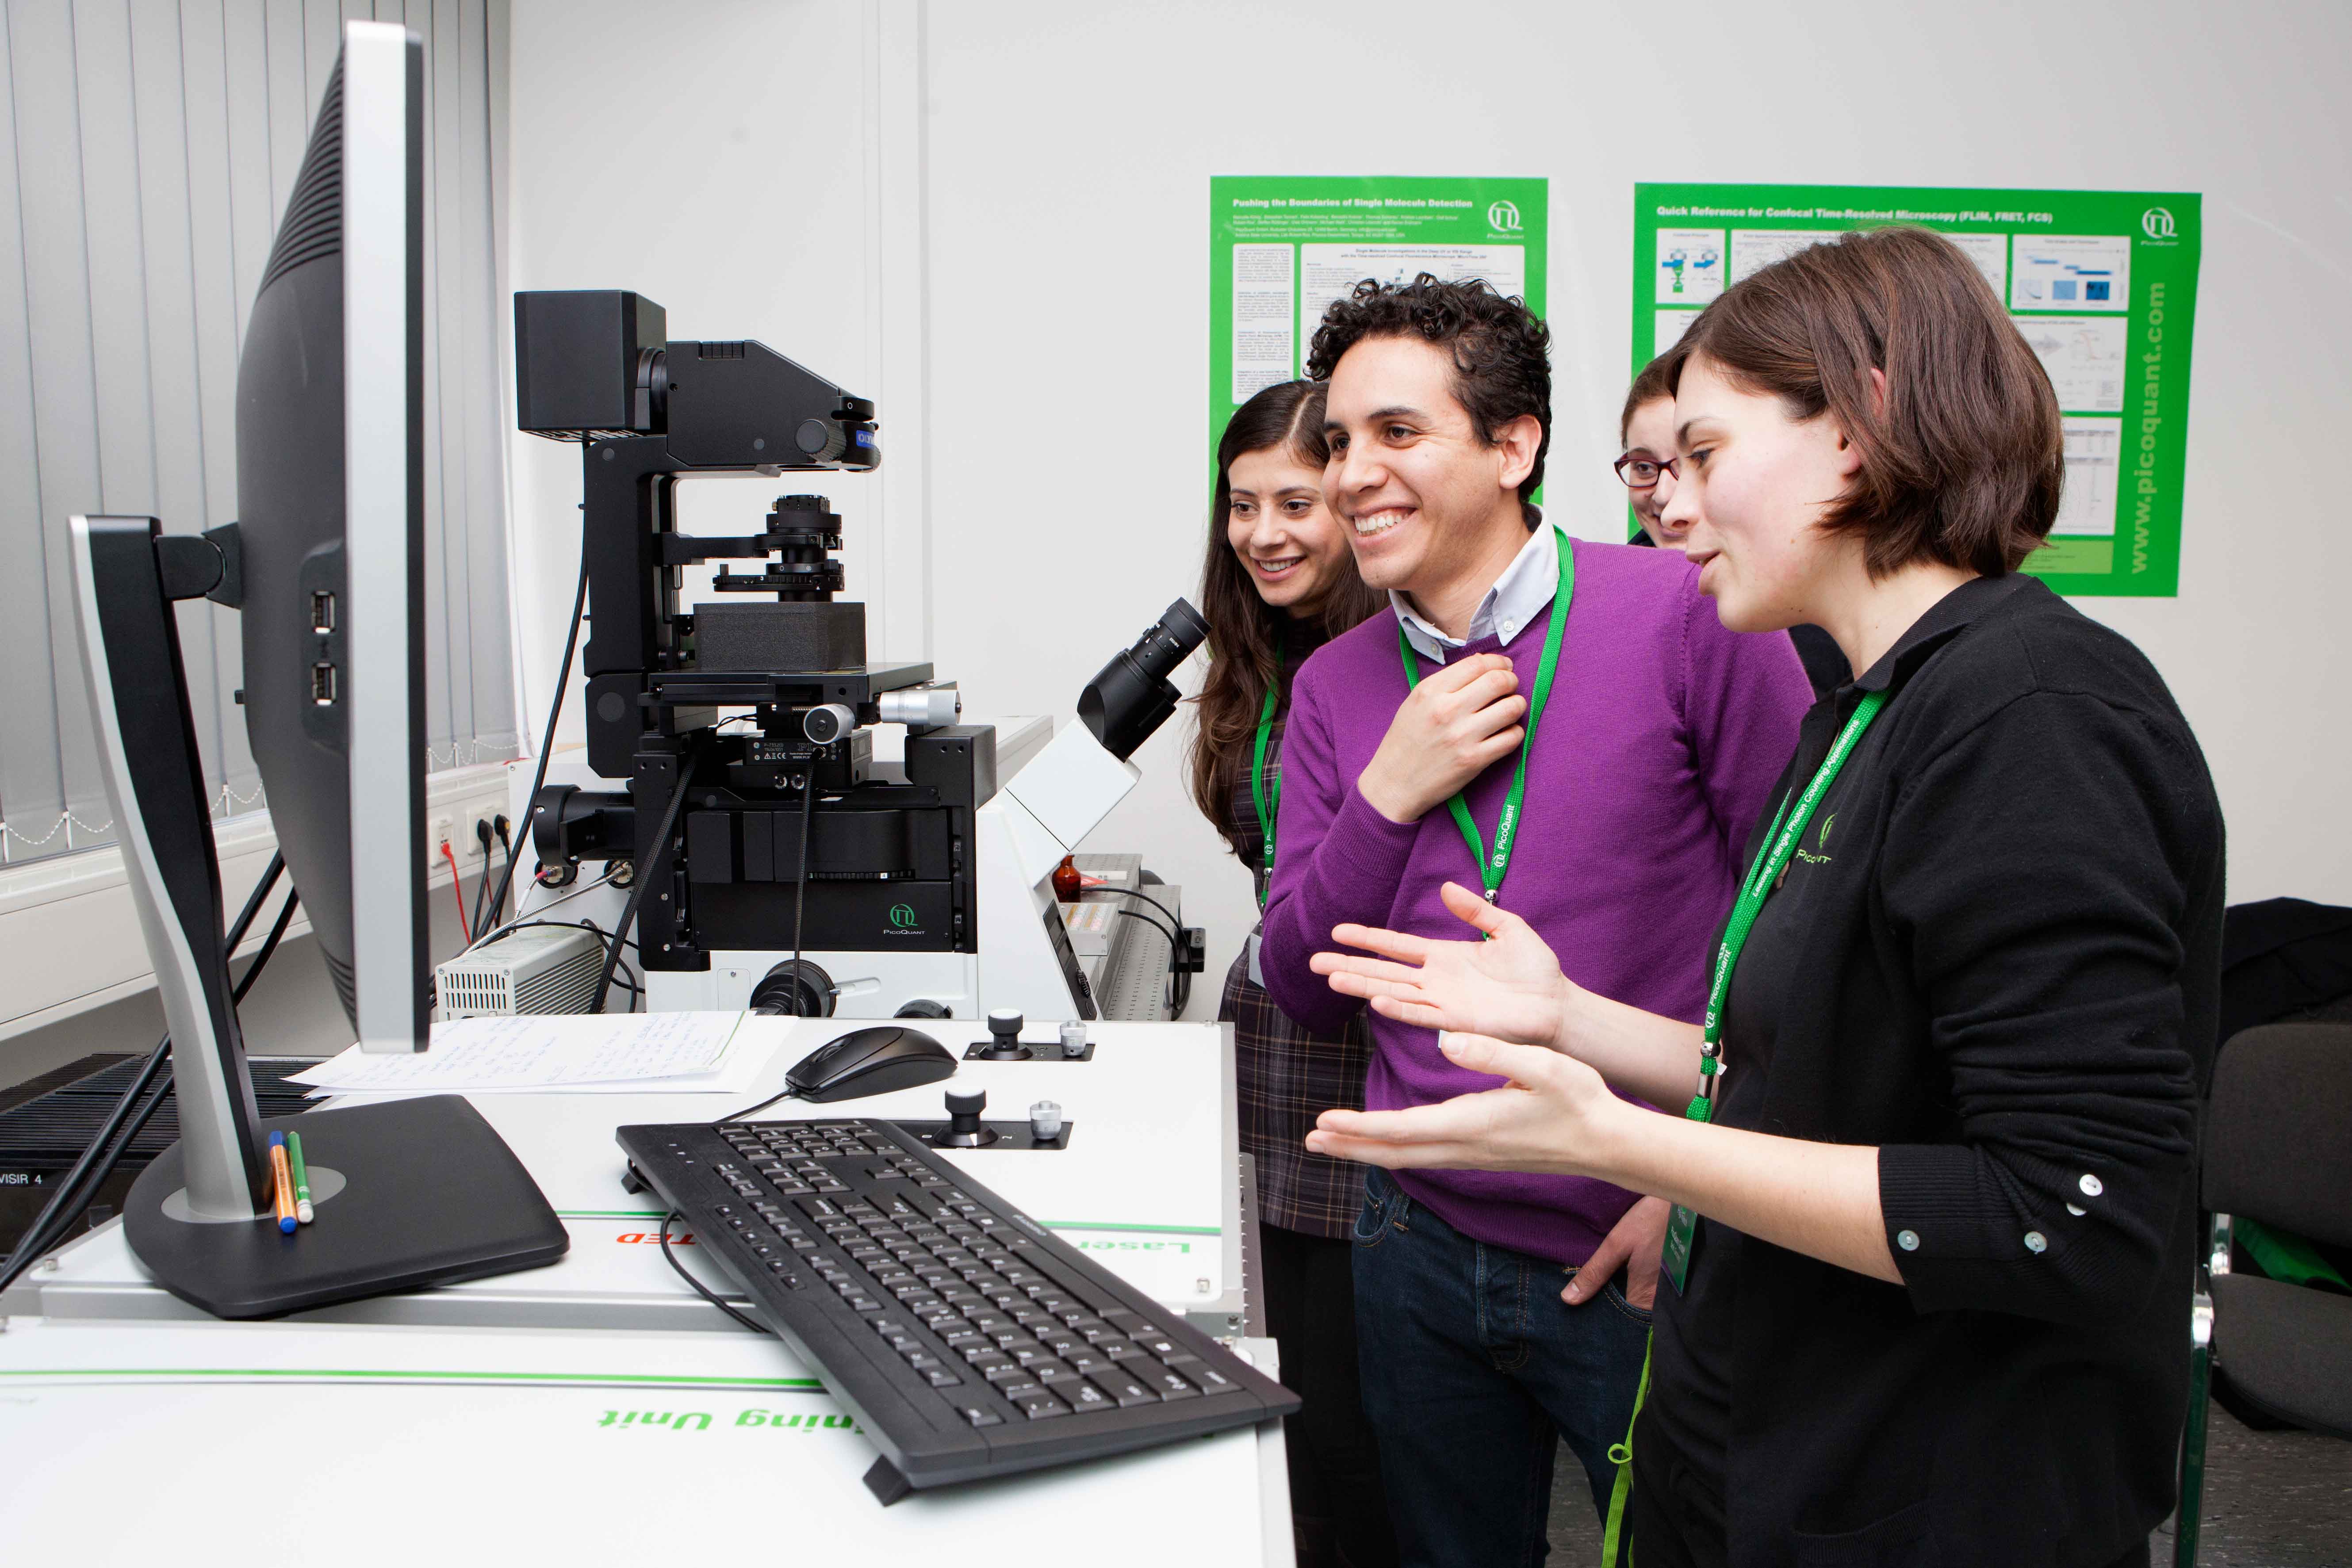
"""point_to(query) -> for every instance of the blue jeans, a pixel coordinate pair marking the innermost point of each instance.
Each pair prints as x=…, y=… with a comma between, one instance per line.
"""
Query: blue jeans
x=1473, y=1367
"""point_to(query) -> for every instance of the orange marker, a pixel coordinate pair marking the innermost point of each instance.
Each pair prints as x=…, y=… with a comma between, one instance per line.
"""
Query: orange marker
x=282, y=1182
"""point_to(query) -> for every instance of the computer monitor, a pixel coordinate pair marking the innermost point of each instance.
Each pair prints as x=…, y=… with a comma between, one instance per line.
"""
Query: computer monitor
x=331, y=514
x=326, y=565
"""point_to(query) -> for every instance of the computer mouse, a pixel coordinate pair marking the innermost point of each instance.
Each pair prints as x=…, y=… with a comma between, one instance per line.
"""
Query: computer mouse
x=870, y=1061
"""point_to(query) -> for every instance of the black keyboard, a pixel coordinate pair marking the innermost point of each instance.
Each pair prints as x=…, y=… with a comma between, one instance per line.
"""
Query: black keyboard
x=968, y=1340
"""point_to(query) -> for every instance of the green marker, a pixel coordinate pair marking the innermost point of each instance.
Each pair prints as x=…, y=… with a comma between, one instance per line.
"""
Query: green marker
x=302, y=1210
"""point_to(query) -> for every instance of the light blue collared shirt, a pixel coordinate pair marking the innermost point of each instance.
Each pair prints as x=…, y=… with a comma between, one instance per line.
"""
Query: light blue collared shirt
x=1518, y=598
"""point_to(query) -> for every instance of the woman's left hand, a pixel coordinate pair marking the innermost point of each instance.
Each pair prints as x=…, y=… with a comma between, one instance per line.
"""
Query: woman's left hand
x=1554, y=1116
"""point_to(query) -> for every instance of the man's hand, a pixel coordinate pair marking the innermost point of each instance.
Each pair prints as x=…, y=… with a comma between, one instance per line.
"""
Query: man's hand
x=1507, y=984
x=1638, y=1244
x=1453, y=726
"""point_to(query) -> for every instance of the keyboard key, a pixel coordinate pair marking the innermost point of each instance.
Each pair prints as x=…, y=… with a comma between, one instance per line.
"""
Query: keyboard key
x=1040, y=1405
x=862, y=1303
x=1120, y=1350
x=1160, y=1345
x=1050, y=1372
x=1125, y=1391
x=941, y=1377
x=1170, y=1384
x=984, y=1358
x=980, y=1415
x=1084, y=1397
x=1023, y=1351
x=1203, y=1377
x=1007, y=1375
x=1087, y=1359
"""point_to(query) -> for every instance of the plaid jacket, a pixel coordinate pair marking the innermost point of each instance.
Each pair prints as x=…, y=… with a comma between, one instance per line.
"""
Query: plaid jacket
x=1288, y=1076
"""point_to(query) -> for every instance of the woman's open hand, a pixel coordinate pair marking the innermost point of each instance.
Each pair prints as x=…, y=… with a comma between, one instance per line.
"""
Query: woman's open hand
x=1554, y=1116
x=1507, y=985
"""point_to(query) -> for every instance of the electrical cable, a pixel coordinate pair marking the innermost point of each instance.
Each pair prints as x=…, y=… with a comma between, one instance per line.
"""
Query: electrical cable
x=1139, y=915
x=481, y=887
x=1174, y=919
x=800, y=885
x=506, y=842
x=73, y=1194
x=268, y=946
x=699, y=1288
x=457, y=891
x=555, y=708
x=637, y=887
x=523, y=915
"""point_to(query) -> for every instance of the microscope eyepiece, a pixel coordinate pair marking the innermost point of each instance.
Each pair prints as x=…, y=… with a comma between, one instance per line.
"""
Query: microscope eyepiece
x=1131, y=696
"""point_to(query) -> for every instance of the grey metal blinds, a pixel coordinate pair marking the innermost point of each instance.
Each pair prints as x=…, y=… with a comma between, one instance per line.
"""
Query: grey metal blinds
x=146, y=151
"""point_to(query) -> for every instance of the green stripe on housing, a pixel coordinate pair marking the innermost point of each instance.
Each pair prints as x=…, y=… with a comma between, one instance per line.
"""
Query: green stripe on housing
x=385, y=1375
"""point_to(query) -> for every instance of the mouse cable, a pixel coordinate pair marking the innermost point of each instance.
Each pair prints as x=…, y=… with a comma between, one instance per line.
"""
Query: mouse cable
x=754, y=1110
x=699, y=1288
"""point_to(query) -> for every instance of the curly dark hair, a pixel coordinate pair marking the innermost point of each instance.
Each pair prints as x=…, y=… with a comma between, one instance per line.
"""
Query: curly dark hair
x=1501, y=349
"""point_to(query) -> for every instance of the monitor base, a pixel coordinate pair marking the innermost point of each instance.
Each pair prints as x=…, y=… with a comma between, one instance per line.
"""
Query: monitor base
x=430, y=1195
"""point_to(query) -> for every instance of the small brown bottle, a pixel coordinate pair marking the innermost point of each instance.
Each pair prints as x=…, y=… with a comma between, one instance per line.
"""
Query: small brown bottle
x=1066, y=881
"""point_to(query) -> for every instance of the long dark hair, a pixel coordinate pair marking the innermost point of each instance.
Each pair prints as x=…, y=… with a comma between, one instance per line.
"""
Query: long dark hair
x=1246, y=632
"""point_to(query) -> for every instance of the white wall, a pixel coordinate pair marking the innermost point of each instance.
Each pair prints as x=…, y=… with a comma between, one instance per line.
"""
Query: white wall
x=1058, y=210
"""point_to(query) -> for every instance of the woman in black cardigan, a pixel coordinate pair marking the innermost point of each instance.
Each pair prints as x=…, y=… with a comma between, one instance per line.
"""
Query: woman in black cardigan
x=1929, y=1305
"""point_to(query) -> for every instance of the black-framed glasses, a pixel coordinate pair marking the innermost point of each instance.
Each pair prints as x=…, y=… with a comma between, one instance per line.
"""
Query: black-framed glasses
x=1640, y=471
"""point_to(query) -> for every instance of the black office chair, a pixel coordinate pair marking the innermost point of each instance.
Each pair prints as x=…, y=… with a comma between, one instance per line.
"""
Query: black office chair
x=2278, y=1148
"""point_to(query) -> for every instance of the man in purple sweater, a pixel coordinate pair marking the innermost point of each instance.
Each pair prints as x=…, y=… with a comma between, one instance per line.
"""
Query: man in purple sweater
x=1653, y=743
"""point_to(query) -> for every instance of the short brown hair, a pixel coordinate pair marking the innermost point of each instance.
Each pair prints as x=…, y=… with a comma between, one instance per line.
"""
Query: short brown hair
x=1656, y=381
x=1964, y=462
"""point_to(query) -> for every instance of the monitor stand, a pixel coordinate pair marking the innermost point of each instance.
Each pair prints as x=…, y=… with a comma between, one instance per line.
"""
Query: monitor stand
x=424, y=1192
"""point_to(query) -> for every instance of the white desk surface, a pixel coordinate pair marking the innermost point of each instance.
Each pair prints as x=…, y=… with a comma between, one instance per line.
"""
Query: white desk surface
x=310, y=1443
x=1142, y=1187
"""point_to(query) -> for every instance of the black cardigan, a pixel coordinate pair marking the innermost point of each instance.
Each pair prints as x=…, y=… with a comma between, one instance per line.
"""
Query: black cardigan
x=2012, y=990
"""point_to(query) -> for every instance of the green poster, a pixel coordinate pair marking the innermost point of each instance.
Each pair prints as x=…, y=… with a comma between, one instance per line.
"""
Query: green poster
x=1283, y=248
x=2102, y=283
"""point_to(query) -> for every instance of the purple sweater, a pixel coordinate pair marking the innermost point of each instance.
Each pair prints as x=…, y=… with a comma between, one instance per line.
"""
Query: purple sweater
x=1663, y=735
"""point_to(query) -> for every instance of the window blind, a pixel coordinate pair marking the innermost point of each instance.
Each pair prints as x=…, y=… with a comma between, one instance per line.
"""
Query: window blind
x=146, y=153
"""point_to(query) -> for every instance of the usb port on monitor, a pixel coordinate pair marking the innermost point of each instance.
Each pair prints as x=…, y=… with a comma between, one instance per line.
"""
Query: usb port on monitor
x=322, y=684
x=323, y=611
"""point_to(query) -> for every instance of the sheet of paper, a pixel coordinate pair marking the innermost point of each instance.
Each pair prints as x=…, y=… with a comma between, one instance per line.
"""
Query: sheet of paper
x=735, y=1072
x=539, y=1052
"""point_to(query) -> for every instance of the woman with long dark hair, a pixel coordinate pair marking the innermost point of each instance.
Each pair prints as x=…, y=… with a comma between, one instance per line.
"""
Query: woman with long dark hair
x=1280, y=581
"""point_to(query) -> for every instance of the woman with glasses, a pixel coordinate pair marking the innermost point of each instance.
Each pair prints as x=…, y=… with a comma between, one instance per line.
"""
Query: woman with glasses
x=1279, y=583
x=1928, y=1276
x=1646, y=430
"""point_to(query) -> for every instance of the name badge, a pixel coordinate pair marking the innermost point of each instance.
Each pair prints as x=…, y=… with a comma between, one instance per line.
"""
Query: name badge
x=1680, y=1225
x=1257, y=972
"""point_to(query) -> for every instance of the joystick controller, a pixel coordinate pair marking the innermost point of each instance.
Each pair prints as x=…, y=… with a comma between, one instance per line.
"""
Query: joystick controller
x=964, y=1129
x=1004, y=1037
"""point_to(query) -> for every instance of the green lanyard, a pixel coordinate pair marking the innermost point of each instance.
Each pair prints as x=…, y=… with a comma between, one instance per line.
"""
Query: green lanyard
x=1269, y=806
x=1779, y=843
x=1492, y=867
